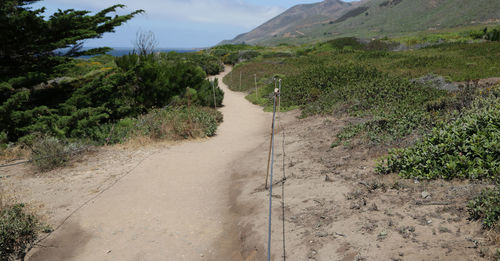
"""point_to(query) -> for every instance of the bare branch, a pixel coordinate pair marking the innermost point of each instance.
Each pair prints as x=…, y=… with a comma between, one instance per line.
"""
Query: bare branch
x=145, y=42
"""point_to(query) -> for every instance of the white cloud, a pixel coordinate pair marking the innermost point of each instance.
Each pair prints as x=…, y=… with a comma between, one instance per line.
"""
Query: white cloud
x=222, y=12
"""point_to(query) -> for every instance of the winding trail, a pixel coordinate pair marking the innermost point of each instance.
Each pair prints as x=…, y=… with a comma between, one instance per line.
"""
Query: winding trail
x=174, y=206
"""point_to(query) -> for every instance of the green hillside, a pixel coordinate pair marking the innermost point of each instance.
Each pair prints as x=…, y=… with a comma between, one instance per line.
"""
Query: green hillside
x=370, y=18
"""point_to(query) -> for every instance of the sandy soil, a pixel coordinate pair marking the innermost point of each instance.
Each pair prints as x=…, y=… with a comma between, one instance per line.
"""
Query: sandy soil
x=338, y=208
x=167, y=203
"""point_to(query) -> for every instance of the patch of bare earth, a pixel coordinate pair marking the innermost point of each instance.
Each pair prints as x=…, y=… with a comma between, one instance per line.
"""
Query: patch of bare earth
x=58, y=193
x=338, y=208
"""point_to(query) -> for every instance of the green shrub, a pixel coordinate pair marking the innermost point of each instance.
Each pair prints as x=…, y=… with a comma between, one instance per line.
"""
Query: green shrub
x=247, y=55
x=486, y=207
x=231, y=58
x=379, y=45
x=490, y=35
x=464, y=148
x=342, y=43
x=206, y=94
x=18, y=232
x=394, y=107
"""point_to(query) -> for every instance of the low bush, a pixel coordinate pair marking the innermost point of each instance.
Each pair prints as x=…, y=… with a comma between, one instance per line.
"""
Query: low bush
x=393, y=106
x=50, y=152
x=486, y=207
x=344, y=43
x=490, y=35
x=178, y=123
x=467, y=147
x=18, y=232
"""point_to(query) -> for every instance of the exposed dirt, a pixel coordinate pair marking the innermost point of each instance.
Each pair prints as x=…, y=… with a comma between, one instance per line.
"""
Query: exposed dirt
x=338, y=208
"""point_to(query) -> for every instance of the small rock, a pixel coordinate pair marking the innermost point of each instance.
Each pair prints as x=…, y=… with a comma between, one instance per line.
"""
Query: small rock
x=346, y=157
x=202, y=255
x=322, y=234
x=373, y=207
x=312, y=254
x=429, y=222
x=327, y=179
x=426, y=194
x=382, y=235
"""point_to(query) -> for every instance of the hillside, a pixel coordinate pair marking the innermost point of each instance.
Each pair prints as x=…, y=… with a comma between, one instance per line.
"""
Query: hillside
x=369, y=18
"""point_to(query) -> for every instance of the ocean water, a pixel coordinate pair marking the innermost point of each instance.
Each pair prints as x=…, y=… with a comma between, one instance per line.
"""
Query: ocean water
x=125, y=51
x=120, y=51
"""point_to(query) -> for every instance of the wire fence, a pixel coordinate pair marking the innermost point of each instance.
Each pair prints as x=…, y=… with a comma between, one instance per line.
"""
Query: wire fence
x=276, y=110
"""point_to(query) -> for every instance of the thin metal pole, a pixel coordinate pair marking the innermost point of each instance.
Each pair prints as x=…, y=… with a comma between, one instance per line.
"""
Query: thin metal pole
x=271, y=184
x=279, y=107
x=270, y=144
x=240, y=80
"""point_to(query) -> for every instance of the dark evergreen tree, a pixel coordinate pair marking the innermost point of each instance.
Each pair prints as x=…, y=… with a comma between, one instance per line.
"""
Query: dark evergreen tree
x=29, y=46
x=28, y=42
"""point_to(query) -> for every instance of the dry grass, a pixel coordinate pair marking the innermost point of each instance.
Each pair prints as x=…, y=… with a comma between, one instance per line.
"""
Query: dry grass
x=13, y=153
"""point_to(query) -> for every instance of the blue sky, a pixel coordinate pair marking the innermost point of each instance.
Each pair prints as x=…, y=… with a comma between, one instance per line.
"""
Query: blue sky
x=182, y=23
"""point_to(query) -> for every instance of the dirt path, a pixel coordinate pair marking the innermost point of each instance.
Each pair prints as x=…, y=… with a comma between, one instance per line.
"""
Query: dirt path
x=173, y=206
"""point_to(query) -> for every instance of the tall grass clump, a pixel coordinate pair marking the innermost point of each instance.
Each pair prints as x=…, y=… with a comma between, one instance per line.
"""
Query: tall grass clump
x=50, y=152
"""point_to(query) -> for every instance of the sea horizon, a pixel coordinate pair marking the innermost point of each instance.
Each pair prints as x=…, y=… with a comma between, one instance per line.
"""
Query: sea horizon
x=121, y=51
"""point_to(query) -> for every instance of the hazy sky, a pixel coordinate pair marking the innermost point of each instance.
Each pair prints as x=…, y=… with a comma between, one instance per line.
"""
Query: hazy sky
x=182, y=23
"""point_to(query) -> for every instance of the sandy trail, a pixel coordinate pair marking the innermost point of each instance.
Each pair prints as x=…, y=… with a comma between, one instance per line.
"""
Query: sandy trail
x=173, y=206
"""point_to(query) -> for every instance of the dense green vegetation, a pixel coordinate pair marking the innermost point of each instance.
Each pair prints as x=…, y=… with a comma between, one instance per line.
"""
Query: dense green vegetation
x=455, y=61
x=43, y=93
x=87, y=101
x=467, y=147
x=30, y=42
x=392, y=107
x=378, y=90
x=486, y=207
x=211, y=64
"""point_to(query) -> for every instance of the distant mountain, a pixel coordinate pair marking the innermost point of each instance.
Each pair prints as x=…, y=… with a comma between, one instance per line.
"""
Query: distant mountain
x=368, y=18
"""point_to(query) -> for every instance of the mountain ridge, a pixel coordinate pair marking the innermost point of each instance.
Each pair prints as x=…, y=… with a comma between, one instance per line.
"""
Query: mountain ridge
x=368, y=18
